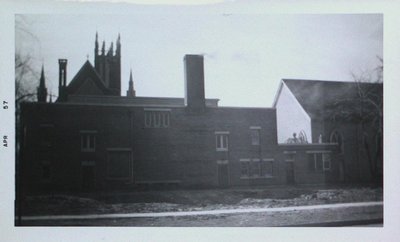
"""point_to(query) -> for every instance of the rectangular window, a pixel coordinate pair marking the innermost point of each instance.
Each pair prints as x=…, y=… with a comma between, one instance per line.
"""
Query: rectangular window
x=256, y=168
x=326, y=158
x=319, y=162
x=255, y=135
x=88, y=140
x=156, y=117
x=289, y=155
x=311, y=162
x=222, y=140
x=267, y=168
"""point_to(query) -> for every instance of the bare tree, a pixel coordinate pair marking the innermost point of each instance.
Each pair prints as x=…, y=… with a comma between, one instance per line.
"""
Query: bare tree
x=365, y=108
x=24, y=73
x=25, y=90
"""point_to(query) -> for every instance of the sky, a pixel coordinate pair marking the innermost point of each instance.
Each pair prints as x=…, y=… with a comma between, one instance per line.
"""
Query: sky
x=246, y=55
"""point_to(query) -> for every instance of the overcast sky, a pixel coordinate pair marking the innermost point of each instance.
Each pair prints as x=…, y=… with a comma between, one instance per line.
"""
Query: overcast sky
x=246, y=55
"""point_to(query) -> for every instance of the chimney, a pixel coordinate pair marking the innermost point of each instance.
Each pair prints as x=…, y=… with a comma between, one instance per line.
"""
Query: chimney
x=62, y=80
x=194, y=82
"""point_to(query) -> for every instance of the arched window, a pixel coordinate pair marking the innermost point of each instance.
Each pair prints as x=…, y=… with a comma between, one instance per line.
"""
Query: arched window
x=337, y=137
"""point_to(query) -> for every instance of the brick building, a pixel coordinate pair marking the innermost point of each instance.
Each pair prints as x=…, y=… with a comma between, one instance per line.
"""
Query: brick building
x=92, y=138
x=346, y=113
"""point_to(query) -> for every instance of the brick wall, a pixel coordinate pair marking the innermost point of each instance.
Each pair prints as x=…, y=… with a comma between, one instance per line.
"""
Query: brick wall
x=183, y=152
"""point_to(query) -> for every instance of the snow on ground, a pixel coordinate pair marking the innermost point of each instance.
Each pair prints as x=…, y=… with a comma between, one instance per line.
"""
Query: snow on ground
x=195, y=200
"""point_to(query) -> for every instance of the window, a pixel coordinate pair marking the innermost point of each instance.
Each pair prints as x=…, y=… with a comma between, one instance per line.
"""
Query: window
x=319, y=161
x=267, y=167
x=221, y=138
x=156, y=118
x=326, y=159
x=255, y=135
x=256, y=168
x=88, y=140
x=337, y=138
x=290, y=156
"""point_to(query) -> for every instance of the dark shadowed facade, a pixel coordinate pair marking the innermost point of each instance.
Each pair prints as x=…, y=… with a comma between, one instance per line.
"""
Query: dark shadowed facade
x=346, y=113
x=92, y=138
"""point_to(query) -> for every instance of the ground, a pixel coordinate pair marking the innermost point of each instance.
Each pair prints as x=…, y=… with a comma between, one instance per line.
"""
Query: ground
x=196, y=200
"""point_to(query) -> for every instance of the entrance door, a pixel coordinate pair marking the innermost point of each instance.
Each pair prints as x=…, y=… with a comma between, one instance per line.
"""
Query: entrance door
x=223, y=175
x=88, y=176
x=289, y=172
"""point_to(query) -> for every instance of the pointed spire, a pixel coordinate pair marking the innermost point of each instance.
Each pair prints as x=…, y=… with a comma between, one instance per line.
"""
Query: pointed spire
x=96, y=45
x=42, y=90
x=42, y=79
x=103, y=47
x=130, y=79
x=131, y=91
x=118, y=51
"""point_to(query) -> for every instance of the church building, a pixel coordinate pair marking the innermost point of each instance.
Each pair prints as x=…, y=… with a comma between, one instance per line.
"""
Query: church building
x=94, y=139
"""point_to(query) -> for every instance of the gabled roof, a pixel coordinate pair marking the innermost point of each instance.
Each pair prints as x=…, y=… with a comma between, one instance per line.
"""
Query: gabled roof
x=317, y=96
x=87, y=71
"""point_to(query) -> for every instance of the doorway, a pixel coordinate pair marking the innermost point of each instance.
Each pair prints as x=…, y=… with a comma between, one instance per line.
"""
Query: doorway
x=289, y=172
x=88, y=178
x=223, y=174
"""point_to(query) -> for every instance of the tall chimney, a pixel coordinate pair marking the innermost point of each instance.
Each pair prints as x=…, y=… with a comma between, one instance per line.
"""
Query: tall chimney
x=62, y=80
x=194, y=82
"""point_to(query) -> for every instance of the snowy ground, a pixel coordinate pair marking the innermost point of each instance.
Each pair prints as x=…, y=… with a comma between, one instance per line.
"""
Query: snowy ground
x=341, y=214
x=196, y=200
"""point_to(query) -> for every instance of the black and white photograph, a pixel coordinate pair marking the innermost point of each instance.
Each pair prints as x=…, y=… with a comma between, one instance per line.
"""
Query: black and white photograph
x=208, y=115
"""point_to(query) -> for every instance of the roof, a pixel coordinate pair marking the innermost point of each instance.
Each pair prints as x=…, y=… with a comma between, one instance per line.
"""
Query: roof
x=317, y=96
x=134, y=101
x=86, y=72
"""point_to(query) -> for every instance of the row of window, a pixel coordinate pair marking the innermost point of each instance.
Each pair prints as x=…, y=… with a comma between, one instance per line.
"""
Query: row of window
x=317, y=160
x=119, y=165
x=88, y=140
x=160, y=118
x=156, y=118
x=255, y=168
x=222, y=138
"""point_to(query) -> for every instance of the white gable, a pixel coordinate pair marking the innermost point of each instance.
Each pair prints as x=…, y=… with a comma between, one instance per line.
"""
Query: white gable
x=290, y=115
